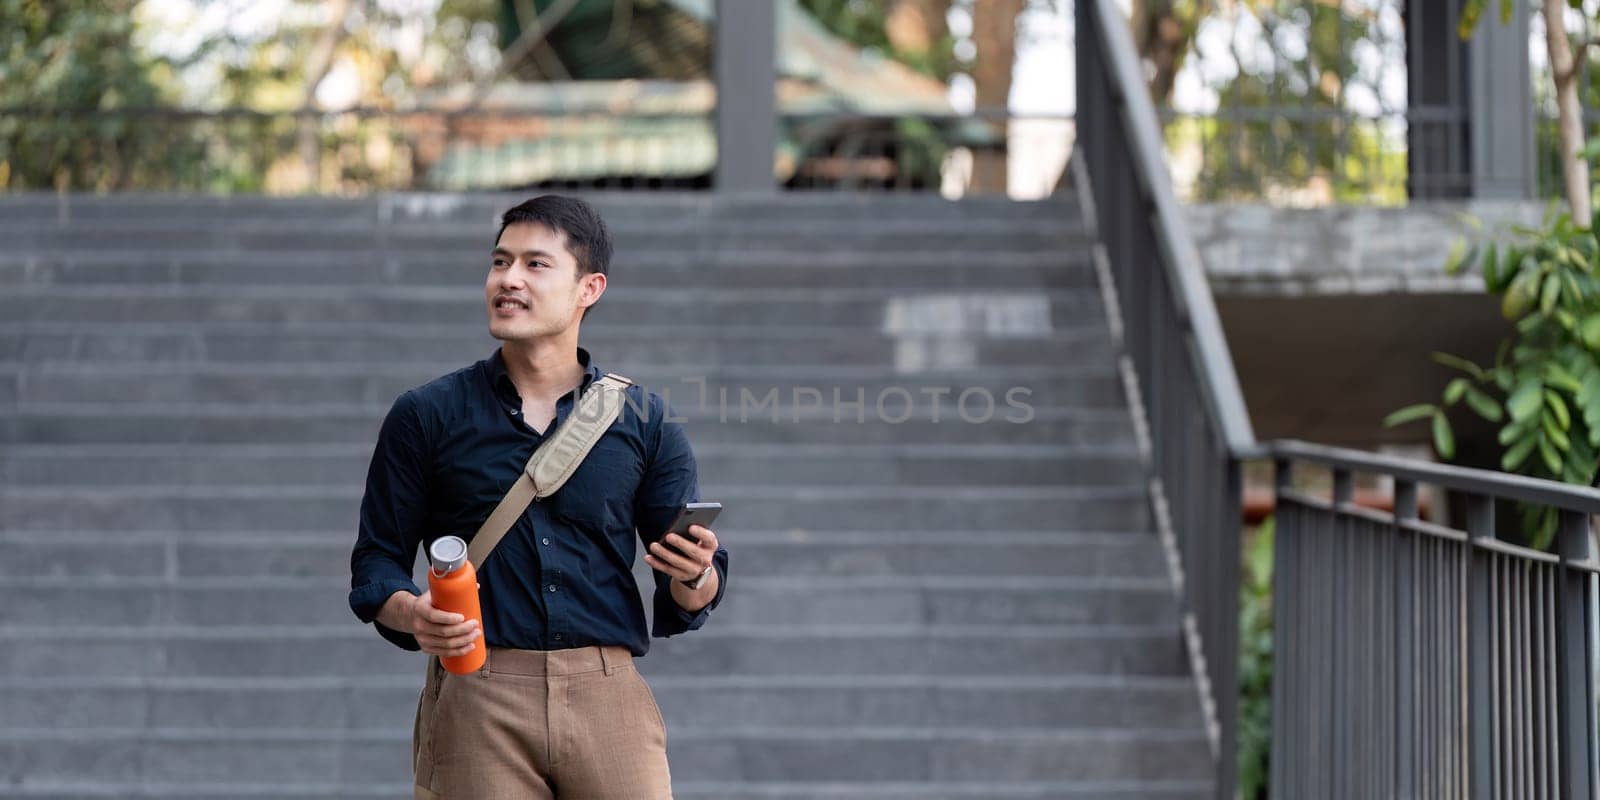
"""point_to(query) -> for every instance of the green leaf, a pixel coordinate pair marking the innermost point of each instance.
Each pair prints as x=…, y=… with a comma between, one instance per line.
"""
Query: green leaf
x=1457, y=362
x=1457, y=257
x=1552, y=459
x=1518, y=453
x=1259, y=556
x=1589, y=399
x=1444, y=440
x=1552, y=293
x=1483, y=404
x=1410, y=414
x=1454, y=391
x=1558, y=375
x=1470, y=11
x=1591, y=149
x=1510, y=432
x=1557, y=436
x=1491, y=267
x=1589, y=392
x=1497, y=273
x=1559, y=406
x=1524, y=403
x=1519, y=295
x=1589, y=331
x=1546, y=530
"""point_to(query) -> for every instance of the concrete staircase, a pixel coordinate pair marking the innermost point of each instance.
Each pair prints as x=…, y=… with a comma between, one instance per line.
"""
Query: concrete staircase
x=190, y=389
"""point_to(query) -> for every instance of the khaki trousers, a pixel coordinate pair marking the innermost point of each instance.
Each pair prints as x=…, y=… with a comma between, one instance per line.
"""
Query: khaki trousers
x=574, y=724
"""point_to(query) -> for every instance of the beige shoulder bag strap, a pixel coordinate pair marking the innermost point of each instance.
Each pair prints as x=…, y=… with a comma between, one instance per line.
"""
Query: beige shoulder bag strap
x=554, y=461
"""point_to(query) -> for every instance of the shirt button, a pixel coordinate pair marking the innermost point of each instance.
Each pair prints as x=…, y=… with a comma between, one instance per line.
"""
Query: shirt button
x=558, y=637
x=552, y=587
x=546, y=540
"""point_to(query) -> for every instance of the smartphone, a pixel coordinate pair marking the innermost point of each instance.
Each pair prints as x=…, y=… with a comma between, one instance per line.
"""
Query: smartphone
x=692, y=514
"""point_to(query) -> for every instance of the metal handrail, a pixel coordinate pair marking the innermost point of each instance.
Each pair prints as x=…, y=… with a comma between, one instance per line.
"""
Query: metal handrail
x=1502, y=485
x=1181, y=258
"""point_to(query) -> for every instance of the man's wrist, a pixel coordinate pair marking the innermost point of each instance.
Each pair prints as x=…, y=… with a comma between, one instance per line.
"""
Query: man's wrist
x=693, y=600
x=699, y=580
x=395, y=613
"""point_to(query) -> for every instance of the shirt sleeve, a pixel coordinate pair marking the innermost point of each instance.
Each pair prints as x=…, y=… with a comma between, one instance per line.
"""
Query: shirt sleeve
x=393, y=513
x=670, y=481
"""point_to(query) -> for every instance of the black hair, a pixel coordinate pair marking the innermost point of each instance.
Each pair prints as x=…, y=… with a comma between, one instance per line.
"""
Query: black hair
x=587, y=237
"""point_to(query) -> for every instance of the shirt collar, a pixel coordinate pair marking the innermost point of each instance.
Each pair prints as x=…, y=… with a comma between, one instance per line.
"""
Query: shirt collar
x=500, y=379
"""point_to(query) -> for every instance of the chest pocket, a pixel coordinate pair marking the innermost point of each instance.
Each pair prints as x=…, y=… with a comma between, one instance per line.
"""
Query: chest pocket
x=599, y=496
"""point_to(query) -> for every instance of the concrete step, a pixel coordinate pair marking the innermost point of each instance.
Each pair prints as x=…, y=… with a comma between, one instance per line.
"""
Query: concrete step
x=759, y=754
x=620, y=209
x=718, y=464
x=1048, y=266
x=894, y=554
x=1022, y=311
x=302, y=650
x=944, y=790
x=613, y=343
x=388, y=703
x=281, y=424
x=955, y=598
x=634, y=246
x=693, y=388
x=918, y=754
x=290, y=508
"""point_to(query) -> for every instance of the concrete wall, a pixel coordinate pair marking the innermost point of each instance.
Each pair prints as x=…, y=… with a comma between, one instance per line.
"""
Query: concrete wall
x=1332, y=314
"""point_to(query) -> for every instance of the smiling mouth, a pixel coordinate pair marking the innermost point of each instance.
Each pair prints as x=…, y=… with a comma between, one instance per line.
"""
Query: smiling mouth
x=507, y=304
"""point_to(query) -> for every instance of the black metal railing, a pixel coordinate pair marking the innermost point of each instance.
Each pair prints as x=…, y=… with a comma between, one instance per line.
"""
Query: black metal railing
x=1416, y=659
x=1180, y=376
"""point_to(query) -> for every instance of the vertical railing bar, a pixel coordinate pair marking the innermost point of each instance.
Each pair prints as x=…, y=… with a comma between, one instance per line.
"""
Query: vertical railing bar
x=1343, y=488
x=1377, y=627
x=1360, y=742
x=1388, y=616
x=1404, y=697
x=1497, y=692
x=1432, y=771
x=1283, y=621
x=1511, y=643
x=1519, y=599
x=1542, y=644
x=1340, y=578
x=1552, y=763
x=1575, y=707
x=1482, y=755
x=1528, y=676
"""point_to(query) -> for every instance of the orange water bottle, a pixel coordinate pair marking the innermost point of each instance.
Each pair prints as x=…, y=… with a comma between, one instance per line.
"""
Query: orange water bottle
x=454, y=584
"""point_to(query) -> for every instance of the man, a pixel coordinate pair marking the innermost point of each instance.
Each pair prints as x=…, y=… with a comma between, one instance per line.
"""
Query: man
x=558, y=710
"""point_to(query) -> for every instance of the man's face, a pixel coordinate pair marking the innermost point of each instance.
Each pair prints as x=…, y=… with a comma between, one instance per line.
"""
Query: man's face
x=534, y=288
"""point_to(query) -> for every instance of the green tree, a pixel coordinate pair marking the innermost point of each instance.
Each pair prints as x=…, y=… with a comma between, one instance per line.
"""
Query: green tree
x=1283, y=123
x=61, y=58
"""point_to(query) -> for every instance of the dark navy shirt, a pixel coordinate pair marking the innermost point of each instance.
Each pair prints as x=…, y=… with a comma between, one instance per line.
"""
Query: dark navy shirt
x=562, y=577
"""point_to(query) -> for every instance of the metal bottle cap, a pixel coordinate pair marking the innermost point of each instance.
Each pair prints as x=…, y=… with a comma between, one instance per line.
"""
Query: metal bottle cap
x=448, y=554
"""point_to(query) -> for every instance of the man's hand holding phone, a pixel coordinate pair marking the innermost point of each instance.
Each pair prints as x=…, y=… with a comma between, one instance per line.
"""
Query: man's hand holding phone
x=685, y=551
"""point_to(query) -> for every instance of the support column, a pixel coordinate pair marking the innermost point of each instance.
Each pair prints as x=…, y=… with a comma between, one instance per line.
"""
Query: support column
x=1470, y=104
x=744, y=65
